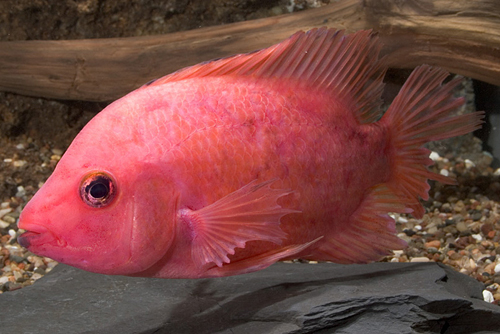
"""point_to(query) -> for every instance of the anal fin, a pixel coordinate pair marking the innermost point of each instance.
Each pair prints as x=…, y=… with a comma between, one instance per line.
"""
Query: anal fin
x=258, y=262
x=371, y=232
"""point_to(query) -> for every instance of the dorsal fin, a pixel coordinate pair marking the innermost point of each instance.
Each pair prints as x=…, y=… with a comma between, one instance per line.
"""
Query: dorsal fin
x=347, y=65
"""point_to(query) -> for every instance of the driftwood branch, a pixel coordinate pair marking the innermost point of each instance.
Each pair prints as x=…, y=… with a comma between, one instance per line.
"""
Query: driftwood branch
x=462, y=36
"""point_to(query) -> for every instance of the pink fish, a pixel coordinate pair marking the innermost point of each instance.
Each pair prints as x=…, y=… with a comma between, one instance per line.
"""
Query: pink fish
x=226, y=167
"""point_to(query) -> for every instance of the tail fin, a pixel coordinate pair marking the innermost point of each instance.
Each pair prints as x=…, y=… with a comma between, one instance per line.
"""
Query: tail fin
x=420, y=113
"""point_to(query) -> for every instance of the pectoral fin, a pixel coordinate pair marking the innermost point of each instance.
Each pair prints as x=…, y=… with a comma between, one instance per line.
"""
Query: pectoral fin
x=249, y=213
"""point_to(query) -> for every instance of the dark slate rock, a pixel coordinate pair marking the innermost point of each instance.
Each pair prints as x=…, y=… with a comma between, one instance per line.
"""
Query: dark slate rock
x=285, y=298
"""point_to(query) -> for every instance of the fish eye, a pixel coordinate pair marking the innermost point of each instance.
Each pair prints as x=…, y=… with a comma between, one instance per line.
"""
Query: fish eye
x=97, y=189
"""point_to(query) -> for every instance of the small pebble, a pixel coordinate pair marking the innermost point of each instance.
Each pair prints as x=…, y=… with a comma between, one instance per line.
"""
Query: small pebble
x=16, y=258
x=36, y=276
x=434, y=243
x=398, y=253
x=57, y=151
x=409, y=232
x=469, y=164
x=444, y=172
x=432, y=250
x=20, y=192
x=19, y=163
x=476, y=216
x=488, y=296
x=434, y=156
x=446, y=207
x=459, y=206
x=18, y=275
x=420, y=259
x=4, y=224
x=5, y=211
x=402, y=220
x=12, y=233
x=461, y=227
x=478, y=237
x=432, y=230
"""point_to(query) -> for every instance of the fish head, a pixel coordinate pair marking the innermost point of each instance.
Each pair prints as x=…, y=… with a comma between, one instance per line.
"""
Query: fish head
x=102, y=210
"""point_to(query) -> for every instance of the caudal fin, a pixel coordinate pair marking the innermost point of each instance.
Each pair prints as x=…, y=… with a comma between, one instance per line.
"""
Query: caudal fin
x=423, y=112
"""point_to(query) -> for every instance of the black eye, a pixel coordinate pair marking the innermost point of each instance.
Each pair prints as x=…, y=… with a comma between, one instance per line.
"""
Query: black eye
x=97, y=189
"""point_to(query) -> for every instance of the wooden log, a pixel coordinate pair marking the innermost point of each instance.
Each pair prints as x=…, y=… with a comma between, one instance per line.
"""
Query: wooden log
x=461, y=36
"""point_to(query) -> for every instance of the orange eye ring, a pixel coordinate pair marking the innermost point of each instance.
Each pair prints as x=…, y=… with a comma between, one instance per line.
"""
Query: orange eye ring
x=97, y=189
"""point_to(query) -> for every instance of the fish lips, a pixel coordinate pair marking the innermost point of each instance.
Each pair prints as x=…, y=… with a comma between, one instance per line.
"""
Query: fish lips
x=34, y=236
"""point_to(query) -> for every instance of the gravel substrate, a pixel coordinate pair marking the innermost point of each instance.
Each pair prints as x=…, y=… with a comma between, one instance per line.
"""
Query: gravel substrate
x=461, y=227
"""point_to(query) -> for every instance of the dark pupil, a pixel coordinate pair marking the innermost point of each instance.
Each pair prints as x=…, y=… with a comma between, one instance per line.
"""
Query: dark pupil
x=98, y=190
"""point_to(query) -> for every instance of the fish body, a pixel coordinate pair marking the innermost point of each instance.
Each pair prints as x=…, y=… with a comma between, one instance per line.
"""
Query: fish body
x=229, y=166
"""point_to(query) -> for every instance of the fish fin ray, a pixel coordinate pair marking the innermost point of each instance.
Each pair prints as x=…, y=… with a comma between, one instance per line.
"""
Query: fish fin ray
x=258, y=262
x=371, y=232
x=420, y=113
x=249, y=213
x=328, y=59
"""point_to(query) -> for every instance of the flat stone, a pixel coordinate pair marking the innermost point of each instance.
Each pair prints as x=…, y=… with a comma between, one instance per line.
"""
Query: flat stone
x=285, y=298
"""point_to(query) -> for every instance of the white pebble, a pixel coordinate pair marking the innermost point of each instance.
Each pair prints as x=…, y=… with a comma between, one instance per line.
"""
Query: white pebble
x=418, y=227
x=434, y=156
x=20, y=146
x=7, y=160
x=402, y=220
x=12, y=233
x=497, y=269
x=398, y=253
x=469, y=164
x=4, y=224
x=4, y=205
x=488, y=296
x=20, y=191
x=420, y=259
x=477, y=237
x=4, y=279
x=497, y=172
x=444, y=172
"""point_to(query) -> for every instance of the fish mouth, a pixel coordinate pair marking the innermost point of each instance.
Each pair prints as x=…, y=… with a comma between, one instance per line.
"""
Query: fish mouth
x=35, y=234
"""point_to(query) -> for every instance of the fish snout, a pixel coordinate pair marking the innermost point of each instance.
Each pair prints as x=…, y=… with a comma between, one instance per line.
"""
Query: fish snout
x=34, y=235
